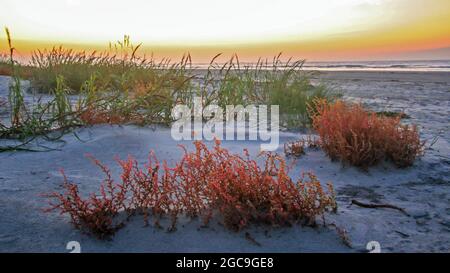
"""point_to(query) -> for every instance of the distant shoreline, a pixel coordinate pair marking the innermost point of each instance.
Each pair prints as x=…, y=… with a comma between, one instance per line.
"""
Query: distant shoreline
x=355, y=75
x=360, y=66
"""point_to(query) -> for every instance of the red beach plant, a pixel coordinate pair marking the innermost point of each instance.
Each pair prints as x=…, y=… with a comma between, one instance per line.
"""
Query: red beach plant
x=203, y=183
x=355, y=136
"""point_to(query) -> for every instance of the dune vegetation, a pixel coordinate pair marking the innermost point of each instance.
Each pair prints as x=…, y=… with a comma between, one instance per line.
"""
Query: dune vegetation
x=362, y=138
x=204, y=183
x=120, y=86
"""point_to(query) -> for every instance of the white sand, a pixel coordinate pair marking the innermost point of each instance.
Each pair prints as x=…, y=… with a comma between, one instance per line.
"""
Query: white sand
x=423, y=190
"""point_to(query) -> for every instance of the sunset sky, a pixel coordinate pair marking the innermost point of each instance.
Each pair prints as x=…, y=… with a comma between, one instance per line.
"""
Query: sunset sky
x=316, y=29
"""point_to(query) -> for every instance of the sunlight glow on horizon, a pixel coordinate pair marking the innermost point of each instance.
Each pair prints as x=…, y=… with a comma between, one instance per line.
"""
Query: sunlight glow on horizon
x=319, y=28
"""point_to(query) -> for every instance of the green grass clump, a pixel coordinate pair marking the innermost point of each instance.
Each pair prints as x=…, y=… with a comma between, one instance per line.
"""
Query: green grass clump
x=119, y=86
x=270, y=83
x=153, y=88
x=119, y=68
x=27, y=122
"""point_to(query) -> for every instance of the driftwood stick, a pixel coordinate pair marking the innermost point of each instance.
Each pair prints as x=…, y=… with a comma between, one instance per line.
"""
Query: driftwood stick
x=250, y=238
x=375, y=206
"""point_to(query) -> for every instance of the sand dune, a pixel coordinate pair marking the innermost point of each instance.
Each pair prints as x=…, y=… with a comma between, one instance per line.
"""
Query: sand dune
x=423, y=189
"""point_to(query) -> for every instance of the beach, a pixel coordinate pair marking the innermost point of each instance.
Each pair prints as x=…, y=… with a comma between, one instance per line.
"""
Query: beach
x=422, y=190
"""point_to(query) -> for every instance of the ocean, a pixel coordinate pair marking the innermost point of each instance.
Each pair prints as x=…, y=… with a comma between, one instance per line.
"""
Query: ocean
x=419, y=66
x=407, y=66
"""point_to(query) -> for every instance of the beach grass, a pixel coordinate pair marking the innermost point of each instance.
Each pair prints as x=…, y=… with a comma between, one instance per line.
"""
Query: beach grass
x=120, y=86
x=28, y=122
x=273, y=82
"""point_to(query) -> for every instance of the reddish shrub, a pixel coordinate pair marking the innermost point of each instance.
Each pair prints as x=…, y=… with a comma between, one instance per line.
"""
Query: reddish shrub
x=192, y=176
x=358, y=137
x=5, y=70
x=294, y=148
x=297, y=148
x=403, y=144
x=244, y=193
x=92, y=116
x=95, y=213
x=202, y=183
x=151, y=190
x=241, y=192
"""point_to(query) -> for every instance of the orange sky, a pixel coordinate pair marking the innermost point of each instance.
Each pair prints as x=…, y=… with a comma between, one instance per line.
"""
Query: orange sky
x=315, y=30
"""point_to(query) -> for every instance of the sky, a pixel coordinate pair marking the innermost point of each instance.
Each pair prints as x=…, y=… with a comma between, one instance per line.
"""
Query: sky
x=317, y=30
